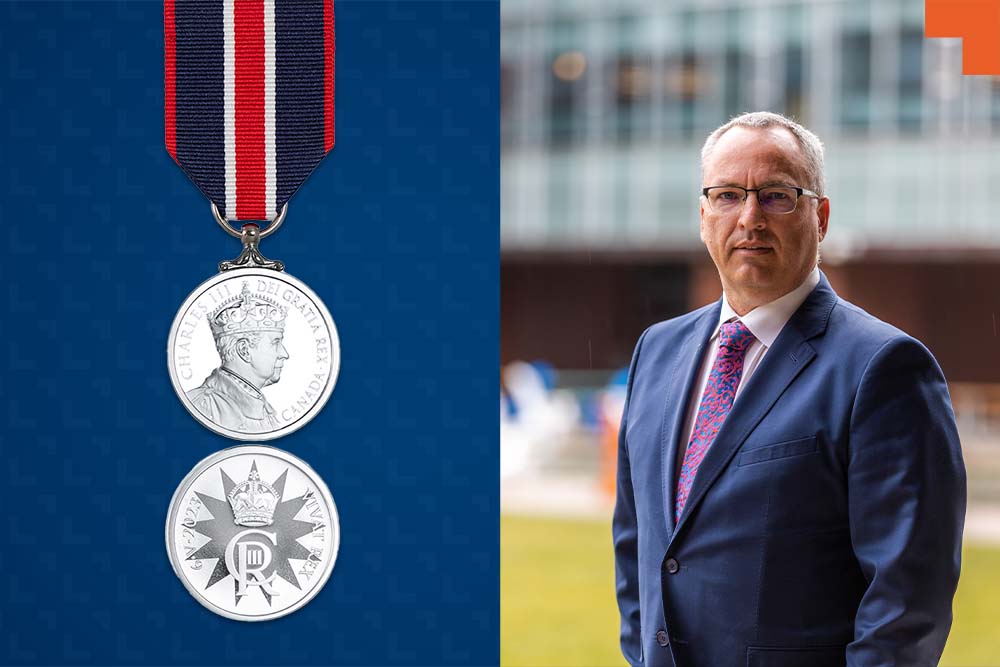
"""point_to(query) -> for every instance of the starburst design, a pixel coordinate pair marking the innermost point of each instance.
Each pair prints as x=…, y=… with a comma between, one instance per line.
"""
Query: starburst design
x=222, y=528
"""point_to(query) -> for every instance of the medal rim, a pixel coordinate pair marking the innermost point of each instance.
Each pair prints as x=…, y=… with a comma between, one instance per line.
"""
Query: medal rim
x=221, y=430
x=218, y=457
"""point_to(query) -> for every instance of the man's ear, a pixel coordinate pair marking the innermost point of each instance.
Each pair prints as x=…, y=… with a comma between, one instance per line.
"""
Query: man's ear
x=701, y=226
x=243, y=349
x=823, y=214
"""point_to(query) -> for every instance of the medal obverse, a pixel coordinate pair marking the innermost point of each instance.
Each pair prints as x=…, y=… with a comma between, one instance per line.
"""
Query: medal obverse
x=248, y=115
x=253, y=354
x=253, y=533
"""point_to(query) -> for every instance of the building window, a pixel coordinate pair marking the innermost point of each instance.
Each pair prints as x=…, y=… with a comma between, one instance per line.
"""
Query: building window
x=855, y=88
x=911, y=78
x=995, y=94
x=633, y=97
x=565, y=106
x=508, y=90
x=795, y=103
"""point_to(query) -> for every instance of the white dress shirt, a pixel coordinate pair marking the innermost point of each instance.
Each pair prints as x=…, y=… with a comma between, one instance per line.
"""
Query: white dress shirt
x=765, y=323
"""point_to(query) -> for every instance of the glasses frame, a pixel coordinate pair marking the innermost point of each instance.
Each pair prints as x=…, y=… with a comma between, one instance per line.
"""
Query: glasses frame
x=799, y=193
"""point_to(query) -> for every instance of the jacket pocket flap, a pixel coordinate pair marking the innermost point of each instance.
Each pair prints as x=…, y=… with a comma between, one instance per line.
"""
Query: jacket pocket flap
x=779, y=451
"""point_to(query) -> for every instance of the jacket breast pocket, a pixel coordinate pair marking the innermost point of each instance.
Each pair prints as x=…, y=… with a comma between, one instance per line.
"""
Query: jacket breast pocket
x=820, y=656
x=780, y=450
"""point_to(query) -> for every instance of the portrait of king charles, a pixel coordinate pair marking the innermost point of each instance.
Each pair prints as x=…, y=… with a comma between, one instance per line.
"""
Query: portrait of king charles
x=248, y=331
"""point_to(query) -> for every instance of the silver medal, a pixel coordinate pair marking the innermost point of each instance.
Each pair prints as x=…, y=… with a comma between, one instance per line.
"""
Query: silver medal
x=253, y=353
x=253, y=533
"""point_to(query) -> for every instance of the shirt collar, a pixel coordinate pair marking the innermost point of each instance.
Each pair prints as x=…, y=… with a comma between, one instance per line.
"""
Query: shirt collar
x=245, y=386
x=251, y=400
x=766, y=322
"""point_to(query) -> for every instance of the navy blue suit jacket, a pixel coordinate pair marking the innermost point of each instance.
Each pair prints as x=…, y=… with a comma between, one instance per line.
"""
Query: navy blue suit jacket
x=824, y=525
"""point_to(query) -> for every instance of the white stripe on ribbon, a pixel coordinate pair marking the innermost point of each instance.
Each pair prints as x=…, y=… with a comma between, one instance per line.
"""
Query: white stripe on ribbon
x=270, y=159
x=229, y=97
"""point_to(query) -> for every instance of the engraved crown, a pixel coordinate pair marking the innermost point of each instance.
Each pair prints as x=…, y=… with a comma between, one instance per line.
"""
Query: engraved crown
x=253, y=501
x=247, y=312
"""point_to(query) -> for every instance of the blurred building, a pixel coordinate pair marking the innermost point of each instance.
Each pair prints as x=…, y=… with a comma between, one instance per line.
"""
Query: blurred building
x=605, y=105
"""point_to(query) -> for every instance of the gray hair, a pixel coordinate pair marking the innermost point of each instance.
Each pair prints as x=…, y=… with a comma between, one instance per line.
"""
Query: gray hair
x=226, y=345
x=811, y=146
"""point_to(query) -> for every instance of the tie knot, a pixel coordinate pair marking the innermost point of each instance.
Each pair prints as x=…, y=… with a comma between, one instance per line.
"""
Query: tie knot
x=735, y=337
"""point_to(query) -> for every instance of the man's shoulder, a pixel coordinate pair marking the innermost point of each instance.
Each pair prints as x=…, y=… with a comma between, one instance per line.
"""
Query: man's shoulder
x=862, y=339
x=848, y=320
x=664, y=338
x=213, y=396
x=682, y=325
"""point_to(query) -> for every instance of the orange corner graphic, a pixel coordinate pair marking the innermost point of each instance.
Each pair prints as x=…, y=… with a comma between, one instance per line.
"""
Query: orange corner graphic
x=977, y=22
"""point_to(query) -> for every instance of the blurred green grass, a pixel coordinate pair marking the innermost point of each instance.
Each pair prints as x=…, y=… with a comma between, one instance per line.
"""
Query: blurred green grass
x=557, y=604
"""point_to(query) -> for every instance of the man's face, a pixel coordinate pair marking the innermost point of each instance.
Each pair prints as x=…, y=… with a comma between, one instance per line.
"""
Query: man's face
x=267, y=358
x=761, y=256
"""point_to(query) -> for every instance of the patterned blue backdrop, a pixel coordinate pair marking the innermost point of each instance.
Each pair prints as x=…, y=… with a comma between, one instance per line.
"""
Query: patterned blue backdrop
x=102, y=237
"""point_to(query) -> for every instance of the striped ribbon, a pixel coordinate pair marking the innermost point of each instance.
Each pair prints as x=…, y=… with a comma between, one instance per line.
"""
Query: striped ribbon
x=249, y=97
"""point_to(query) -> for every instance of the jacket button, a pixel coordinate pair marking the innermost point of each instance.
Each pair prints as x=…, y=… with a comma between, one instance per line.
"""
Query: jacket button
x=673, y=567
x=661, y=638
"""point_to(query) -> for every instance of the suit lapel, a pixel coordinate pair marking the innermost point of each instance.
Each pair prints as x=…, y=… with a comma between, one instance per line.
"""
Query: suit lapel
x=679, y=388
x=790, y=353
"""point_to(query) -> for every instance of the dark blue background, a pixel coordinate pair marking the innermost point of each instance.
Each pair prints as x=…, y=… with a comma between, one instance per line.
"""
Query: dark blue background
x=102, y=238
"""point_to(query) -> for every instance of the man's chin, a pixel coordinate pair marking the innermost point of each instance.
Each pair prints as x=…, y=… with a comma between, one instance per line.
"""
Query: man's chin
x=755, y=273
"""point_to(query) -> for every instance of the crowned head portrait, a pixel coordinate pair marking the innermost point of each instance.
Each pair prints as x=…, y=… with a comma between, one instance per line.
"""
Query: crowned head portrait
x=248, y=330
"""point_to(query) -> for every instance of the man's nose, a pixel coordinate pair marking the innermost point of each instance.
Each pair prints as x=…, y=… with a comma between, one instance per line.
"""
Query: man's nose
x=751, y=215
x=283, y=353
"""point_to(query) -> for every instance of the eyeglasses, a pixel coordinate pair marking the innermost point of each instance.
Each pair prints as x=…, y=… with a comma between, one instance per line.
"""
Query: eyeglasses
x=778, y=199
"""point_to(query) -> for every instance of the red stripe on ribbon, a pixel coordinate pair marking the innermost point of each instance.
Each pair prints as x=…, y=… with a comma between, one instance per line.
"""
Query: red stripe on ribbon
x=248, y=23
x=329, y=60
x=170, y=78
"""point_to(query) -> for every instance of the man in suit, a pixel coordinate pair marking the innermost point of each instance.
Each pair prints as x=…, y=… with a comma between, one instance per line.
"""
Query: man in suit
x=791, y=490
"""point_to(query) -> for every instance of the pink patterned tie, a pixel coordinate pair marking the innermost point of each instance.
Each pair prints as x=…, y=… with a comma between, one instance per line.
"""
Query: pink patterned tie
x=734, y=339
